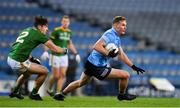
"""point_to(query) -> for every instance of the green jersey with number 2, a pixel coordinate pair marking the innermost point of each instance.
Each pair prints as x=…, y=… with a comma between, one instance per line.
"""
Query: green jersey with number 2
x=28, y=39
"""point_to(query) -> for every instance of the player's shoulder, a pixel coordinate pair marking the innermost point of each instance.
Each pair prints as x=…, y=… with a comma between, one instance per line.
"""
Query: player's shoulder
x=27, y=29
x=35, y=32
x=30, y=30
x=108, y=33
x=63, y=29
x=57, y=28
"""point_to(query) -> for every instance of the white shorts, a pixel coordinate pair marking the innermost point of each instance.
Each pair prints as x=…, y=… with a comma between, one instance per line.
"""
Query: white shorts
x=17, y=66
x=58, y=61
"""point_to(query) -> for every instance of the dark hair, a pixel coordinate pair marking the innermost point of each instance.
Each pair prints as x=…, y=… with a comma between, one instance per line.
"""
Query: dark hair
x=40, y=20
x=118, y=18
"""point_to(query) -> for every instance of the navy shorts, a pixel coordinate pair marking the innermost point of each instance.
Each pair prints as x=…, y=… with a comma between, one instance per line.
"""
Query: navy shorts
x=98, y=72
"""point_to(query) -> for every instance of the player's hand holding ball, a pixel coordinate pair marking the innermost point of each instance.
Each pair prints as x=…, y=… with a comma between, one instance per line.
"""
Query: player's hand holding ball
x=112, y=49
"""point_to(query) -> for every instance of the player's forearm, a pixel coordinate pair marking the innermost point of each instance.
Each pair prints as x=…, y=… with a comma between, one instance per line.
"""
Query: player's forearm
x=125, y=59
x=58, y=49
x=99, y=46
x=54, y=48
x=72, y=48
x=101, y=49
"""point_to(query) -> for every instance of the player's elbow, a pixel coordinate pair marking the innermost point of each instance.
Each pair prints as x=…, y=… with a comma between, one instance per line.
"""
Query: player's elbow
x=94, y=47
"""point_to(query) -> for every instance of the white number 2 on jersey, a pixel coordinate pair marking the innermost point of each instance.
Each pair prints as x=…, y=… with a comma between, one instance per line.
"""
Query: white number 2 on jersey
x=21, y=36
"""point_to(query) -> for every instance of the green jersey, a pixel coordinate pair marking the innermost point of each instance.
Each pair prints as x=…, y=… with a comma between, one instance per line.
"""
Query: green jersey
x=61, y=37
x=28, y=39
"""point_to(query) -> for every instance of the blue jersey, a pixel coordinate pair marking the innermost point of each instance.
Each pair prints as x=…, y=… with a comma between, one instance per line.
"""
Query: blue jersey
x=110, y=36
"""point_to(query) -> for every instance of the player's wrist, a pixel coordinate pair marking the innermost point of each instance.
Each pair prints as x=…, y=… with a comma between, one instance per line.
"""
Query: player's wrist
x=76, y=53
x=106, y=53
x=133, y=67
x=65, y=50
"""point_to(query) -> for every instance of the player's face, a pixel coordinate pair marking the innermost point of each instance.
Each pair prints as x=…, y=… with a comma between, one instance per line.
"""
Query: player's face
x=65, y=22
x=43, y=29
x=121, y=27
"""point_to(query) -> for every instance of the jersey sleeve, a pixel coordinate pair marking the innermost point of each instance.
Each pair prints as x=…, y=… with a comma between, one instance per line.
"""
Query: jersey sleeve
x=53, y=35
x=43, y=39
x=107, y=38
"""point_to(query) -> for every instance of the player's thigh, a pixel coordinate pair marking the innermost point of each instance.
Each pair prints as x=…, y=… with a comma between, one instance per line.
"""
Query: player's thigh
x=118, y=73
x=63, y=61
x=37, y=69
x=56, y=72
x=63, y=71
x=63, y=65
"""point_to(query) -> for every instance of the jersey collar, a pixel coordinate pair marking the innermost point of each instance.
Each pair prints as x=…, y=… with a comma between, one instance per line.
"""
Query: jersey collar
x=114, y=30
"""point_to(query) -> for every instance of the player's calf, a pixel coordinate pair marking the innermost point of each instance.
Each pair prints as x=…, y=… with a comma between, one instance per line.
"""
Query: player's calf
x=50, y=93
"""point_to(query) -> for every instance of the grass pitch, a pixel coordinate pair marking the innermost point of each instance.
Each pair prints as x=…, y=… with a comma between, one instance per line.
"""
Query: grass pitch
x=90, y=101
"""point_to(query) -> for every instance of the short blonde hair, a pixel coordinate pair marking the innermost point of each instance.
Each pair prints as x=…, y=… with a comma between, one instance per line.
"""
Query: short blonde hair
x=66, y=17
x=116, y=19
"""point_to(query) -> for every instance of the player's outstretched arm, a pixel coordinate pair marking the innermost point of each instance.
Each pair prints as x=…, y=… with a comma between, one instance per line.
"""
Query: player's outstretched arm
x=55, y=48
x=74, y=51
x=125, y=58
x=72, y=47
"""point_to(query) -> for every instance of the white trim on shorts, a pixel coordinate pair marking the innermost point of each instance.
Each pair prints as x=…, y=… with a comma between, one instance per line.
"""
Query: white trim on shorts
x=17, y=66
x=58, y=61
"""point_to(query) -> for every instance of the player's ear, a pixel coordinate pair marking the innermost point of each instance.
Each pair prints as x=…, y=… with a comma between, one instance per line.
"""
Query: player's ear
x=38, y=26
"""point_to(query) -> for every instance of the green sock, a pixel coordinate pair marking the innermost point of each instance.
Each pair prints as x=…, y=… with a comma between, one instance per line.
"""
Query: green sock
x=50, y=90
x=34, y=91
x=16, y=89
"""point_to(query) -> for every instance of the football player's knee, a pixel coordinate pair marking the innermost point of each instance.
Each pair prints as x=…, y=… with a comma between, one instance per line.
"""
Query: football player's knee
x=80, y=83
x=127, y=75
x=45, y=71
x=63, y=75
